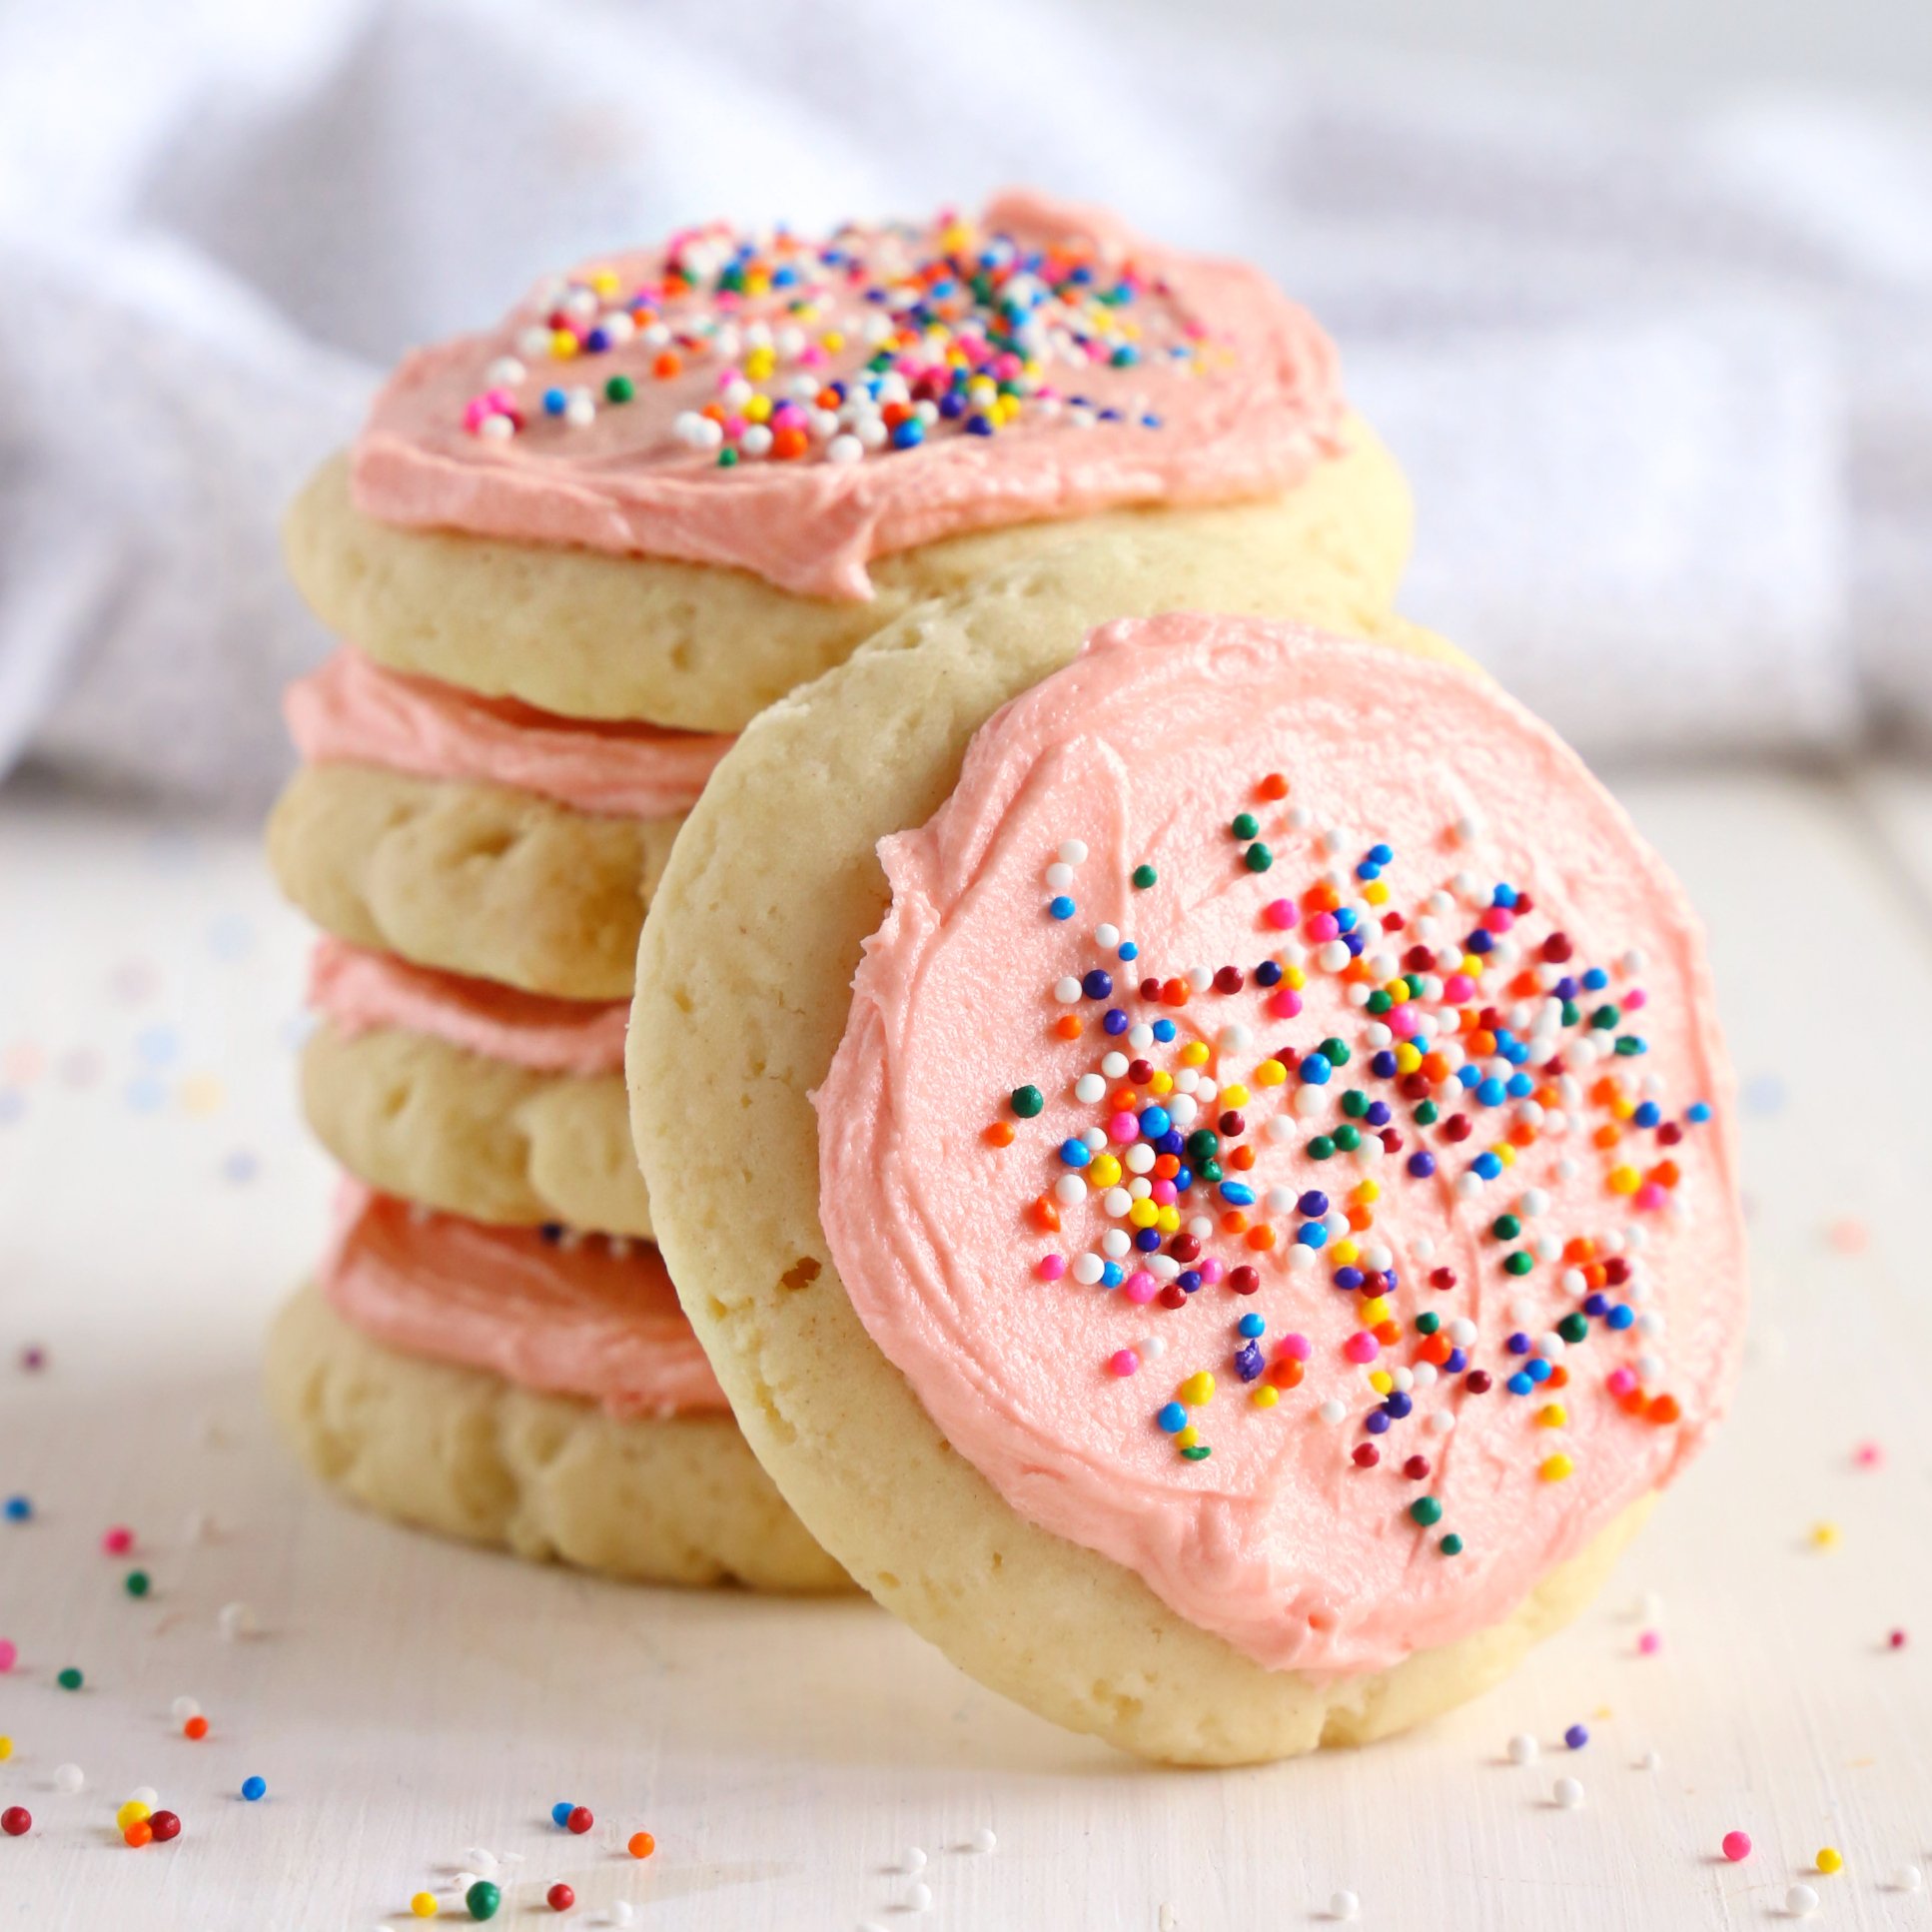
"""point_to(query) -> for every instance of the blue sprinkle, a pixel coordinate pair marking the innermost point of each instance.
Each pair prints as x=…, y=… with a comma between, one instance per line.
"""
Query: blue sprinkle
x=1237, y=1194
x=1479, y=942
x=1096, y=985
x=561, y=1811
x=1383, y=1066
x=1458, y=1361
x=1576, y=1738
x=1268, y=973
x=1623, y=1316
x=1313, y=1202
x=1697, y=1112
x=1518, y=1343
x=1397, y=1404
x=1376, y=1421
x=1164, y=1031
x=1062, y=907
x=1368, y=869
x=1249, y=1362
x=1491, y=1092
x=1112, y=1273
x=1345, y=919
x=1173, y=1419
x=1128, y=950
x=1381, y=855
x=1468, y=1076
x=1519, y=1383
x=1116, y=1021
x=909, y=434
x=1648, y=1114
x=1521, y=1086
x=1504, y=896
x=1421, y=1164
x=1596, y=1304
x=1147, y=1239
x=252, y=1788
x=554, y=402
x=1311, y=1234
x=1596, y=979
x=1316, y=1070
x=1488, y=1166
x=1537, y=1370
x=1188, y=1279
x=1349, y=1278
x=1075, y=1153
x=1252, y=1326
x=1155, y=1123
x=19, y=1510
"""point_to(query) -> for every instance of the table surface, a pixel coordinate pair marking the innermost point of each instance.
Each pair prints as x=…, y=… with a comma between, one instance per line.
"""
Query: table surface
x=408, y=1700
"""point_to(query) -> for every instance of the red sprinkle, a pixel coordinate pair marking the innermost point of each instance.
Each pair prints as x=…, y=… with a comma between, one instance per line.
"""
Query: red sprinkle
x=580, y=1819
x=560, y=1897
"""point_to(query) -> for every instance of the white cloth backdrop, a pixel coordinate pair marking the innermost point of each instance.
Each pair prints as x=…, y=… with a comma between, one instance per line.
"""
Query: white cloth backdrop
x=1665, y=388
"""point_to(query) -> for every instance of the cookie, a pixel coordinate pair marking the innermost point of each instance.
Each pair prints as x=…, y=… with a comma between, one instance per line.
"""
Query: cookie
x=1194, y=1394
x=678, y=482
x=418, y=1421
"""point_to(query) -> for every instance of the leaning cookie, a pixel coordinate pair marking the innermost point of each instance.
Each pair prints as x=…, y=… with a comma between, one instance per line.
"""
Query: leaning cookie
x=675, y=485
x=479, y=835
x=549, y=1401
x=470, y=1097
x=1263, y=1237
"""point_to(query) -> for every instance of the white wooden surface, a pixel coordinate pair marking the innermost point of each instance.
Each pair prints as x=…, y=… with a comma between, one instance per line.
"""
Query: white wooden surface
x=406, y=1700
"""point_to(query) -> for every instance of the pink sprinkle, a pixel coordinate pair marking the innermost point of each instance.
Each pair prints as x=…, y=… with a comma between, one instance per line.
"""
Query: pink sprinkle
x=118, y=1540
x=1401, y=1021
x=1650, y=1194
x=1868, y=1455
x=1161, y=1194
x=9, y=1653
x=1457, y=988
x=1140, y=1287
x=1049, y=1267
x=1622, y=1380
x=1498, y=919
x=1121, y=1128
x=1362, y=1347
x=1212, y=1270
x=1897, y=1639
x=1284, y=1003
x=1322, y=927
x=1294, y=1346
x=1123, y=1361
x=1650, y=1643
x=1737, y=1846
x=1279, y=914
x=1635, y=1000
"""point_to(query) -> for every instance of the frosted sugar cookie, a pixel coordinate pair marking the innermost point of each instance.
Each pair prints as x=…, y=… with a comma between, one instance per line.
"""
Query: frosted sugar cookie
x=547, y=1398
x=466, y=1096
x=1226, y=1231
x=674, y=483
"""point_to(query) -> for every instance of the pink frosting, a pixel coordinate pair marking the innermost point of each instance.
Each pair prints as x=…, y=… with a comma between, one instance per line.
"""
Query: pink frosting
x=975, y=1273
x=354, y=712
x=357, y=991
x=584, y=1316
x=1240, y=382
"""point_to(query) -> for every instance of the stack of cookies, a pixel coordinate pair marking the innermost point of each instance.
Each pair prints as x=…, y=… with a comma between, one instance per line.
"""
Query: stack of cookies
x=570, y=558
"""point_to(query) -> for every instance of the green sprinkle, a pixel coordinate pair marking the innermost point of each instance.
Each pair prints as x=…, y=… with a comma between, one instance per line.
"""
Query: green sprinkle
x=1198, y=1454
x=69, y=1679
x=483, y=1899
x=1575, y=1328
x=1355, y=1103
x=1451, y=1545
x=1428, y=1323
x=1335, y=1051
x=1257, y=859
x=1321, y=1148
x=1348, y=1139
x=1506, y=1226
x=1426, y=1113
x=1517, y=1264
x=727, y=459
x=1211, y=1170
x=1572, y=1012
x=1380, y=1002
x=1144, y=876
x=1628, y=1045
x=1246, y=826
x=1414, y=981
x=1425, y=1510
x=1606, y=1017
x=621, y=389
x=1027, y=1101
x=137, y=1583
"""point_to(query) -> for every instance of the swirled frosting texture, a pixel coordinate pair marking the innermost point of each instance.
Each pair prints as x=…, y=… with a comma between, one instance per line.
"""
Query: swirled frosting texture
x=355, y=711
x=586, y=1317
x=1446, y=1024
x=740, y=400
x=357, y=991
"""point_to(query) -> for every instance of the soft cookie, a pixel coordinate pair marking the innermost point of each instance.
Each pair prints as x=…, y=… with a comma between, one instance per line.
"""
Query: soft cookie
x=1226, y=1228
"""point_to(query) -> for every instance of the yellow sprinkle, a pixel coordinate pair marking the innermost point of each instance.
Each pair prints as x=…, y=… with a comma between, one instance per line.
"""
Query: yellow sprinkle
x=833, y=340
x=605, y=280
x=1143, y=1214
x=423, y=1905
x=1105, y=1171
x=1234, y=1095
x=1381, y=1380
x=1375, y=1312
x=1504, y=1153
x=131, y=1813
x=563, y=345
x=1293, y=978
x=1624, y=1180
x=6, y=1749
x=1344, y=1253
x=1623, y=1109
x=1271, y=1073
x=759, y=410
x=1397, y=991
x=1552, y=1414
x=1169, y=1221
x=1195, y=1054
x=1375, y=892
x=1199, y=1387
x=1407, y=1057
x=1369, y=1191
x=1829, y=1860
x=1473, y=965
x=1824, y=1534
x=1187, y=1437
x=1263, y=1396
x=1162, y=1083
x=760, y=363
x=1556, y=1467
x=201, y=1093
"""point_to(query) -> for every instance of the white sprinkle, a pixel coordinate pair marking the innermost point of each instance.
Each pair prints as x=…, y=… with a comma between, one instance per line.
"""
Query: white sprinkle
x=1074, y=853
x=237, y=1621
x=1113, y=1065
x=483, y=1859
x=1058, y=877
x=144, y=1794
x=915, y=1859
x=919, y=1899
x=1651, y=1761
x=1331, y=1411
x=1140, y=1037
x=1344, y=1905
x=1569, y=1793
x=582, y=408
x=499, y=428
x=1088, y=1269
x=623, y=1912
x=183, y=1709
x=1107, y=936
x=462, y=1882
x=1151, y=1347
x=983, y=1840
x=505, y=373
x=846, y=449
x=1070, y=1190
x=1801, y=1901
x=69, y=1779
x=1908, y=1878
x=1066, y=991
x=1523, y=1749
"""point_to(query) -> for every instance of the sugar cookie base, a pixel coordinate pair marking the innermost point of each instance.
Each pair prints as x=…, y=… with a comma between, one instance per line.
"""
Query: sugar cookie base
x=470, y=1456
x=417, y=1116
x=743, y=981
x=703, y=648
x=471, y=878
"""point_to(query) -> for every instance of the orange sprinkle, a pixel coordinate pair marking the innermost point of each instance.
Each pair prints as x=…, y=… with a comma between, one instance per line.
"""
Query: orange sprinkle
x=137, y=1834
x=1361, y=1220
x=1067, y=1026
x=1388, y=1333
x=640, y=1844
x=1663, y=1410
x=1233, y=1222
x=668, y=363
x=1166, y=1166
x=1271, y=787
x=1243, y=1158
x=1044, y=1215
x=197, y=1727
x=1262, y=1238
x=1284, y=1372
x=999, y=1135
